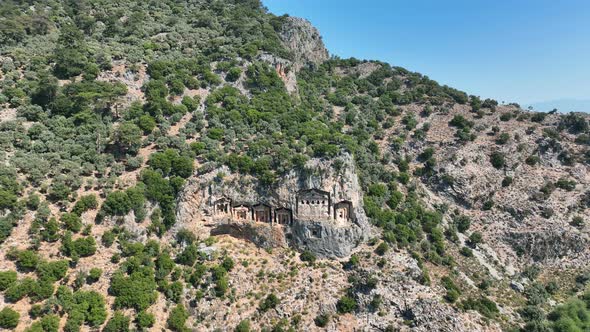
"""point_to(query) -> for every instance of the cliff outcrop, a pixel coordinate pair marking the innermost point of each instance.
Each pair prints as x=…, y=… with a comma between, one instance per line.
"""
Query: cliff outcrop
x=304, y=41
x=324, y=233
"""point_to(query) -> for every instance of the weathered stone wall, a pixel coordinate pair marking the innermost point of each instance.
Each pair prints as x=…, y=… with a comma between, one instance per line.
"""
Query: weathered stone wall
x=327, y=239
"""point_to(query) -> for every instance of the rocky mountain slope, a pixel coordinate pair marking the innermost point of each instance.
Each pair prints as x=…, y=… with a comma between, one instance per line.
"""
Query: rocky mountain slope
x=206, y=165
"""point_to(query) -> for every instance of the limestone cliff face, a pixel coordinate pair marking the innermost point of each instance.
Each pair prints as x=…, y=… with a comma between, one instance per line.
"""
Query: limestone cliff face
x=325, y=234
x=330, y=238
x=305, y=44
x=304, y=41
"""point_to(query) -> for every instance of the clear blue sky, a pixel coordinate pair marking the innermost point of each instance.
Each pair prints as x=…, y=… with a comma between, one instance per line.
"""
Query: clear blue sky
x=512, y=50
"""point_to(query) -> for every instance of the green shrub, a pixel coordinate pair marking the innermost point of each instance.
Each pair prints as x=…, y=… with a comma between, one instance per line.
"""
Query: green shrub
x=146, y=123
x=27, y=260
x=243, y=326
x=483, y=305
x=453, y=291
x=382, y=248
x=185, y=237
x=322, y=320
x=577, y=221
x=188, y=256
x=108, y=238
x=38, y=310
x=164, y=265
x=145, y=320
x=307, y=256
x=475, y=238
x=176, y=87
x=395, y=199
x=583, y=279
x=117, y=203
x=7, y=279
x=378, y=190
x=71, y=222
x=192, y=104
x=20, y=289
x=177, y=319
x=215, y=133
x=9, y=318
x=346, y=304
x=173, y=291
x=50, y=231
x=221, y=286
x=70, y=54
x=532, y=314
x=41, y=290
x=270, y=302
x=452, y=295
x=538, y=117
x=552, y=287
x=467, y=252
x=92, y=306
x=403, y=177
x=48, y=323
x=505, y=116
x=424, y=278
x=547, y=189
x=571, y=316
x=85, y=203
x=462, y=222
x=53, y=271
x=532, y=160
x=233, y=74
x=117, y=323
x=93, y=275
x=565, y=184
x=137, y=290
x=353, y=261
x=33, y=202
x=497, y=160
x=7, y=200
x=503, y=139
x=81, y=247
x=127, y=138
x=460, y=122
x=575, y=123
x=228, y=264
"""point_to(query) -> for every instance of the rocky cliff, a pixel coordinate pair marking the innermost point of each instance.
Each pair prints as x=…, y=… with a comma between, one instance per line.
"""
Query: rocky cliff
x=304, y=41
x=324, y=237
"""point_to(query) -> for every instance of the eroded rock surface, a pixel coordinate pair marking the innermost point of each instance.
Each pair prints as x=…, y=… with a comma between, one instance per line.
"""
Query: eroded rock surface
x=304, y=41
x=325, y=234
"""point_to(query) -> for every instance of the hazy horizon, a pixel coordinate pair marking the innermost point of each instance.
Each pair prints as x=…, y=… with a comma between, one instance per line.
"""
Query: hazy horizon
x=562, y=105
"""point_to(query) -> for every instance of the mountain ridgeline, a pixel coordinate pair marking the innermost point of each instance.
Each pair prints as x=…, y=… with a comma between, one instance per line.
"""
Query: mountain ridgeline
x=206, y=165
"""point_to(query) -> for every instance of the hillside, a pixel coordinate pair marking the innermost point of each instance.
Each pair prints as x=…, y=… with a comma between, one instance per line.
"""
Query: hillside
x=205, y=165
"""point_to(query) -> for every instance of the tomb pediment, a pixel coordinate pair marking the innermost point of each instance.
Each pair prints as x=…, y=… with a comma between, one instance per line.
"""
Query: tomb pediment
x=222, y=205
x=313, y=204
